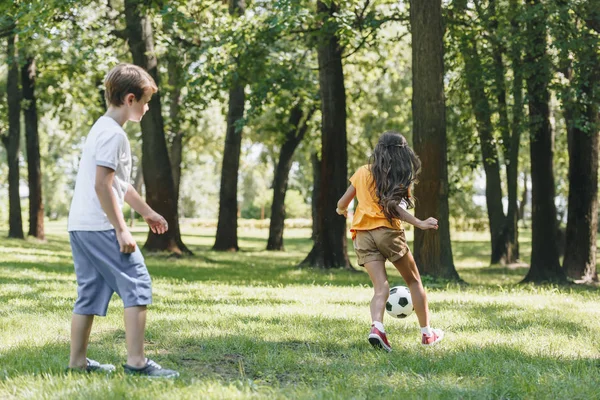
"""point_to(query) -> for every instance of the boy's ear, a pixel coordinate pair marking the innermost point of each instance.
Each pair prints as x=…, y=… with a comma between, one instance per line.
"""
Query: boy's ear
x=129, y=98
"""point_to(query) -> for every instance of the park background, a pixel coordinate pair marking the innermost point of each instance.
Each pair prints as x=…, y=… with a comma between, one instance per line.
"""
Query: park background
x=264, y=110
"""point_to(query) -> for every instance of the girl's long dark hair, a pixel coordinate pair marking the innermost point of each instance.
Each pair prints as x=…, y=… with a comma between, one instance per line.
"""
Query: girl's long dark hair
x=394, y=167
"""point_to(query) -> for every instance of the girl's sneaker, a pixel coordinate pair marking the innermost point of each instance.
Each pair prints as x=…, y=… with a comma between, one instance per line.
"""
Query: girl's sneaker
x=379, y=340
x=151, y=370
x=436, y=336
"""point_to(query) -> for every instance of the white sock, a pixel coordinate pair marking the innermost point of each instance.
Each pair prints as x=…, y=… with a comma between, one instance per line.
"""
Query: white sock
x=379, y=326
x=426, y=331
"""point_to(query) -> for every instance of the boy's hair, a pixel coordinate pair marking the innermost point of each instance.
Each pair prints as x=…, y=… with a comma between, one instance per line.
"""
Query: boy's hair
x=394, y=168
x=124, y=79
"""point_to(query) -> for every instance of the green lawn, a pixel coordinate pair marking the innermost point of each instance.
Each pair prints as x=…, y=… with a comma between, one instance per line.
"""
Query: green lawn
x=251, y=325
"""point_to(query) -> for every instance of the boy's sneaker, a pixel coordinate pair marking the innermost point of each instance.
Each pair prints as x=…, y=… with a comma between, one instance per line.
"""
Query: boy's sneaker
x=151, y=370
x=379, y=340
x=436, y=336
x=94, y=366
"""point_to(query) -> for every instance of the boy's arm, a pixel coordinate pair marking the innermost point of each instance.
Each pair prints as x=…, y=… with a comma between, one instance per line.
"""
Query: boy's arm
x=344, y=201
x=429, y=223
x=156, y=221
x=108, y=201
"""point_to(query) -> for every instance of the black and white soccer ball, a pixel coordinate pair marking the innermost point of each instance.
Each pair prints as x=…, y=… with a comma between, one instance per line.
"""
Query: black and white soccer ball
x=399, y=304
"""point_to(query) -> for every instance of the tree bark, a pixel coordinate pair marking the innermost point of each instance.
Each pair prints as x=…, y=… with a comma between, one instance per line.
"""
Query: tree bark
x=34, y=169
x=330, y=246
x=545, y=265
x=226, y=237
x=316, y=172
x=433, y=249
x=12, y=141
x=176, y=149
x=582, y=221
x=158, y=177
x=293, y=137
x=489, y=153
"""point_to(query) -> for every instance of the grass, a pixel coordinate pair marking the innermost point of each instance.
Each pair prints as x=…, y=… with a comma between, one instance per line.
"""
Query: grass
x=251, y=325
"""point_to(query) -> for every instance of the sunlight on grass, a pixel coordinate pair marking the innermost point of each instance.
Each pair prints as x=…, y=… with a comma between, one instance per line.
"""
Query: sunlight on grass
x=252, y=325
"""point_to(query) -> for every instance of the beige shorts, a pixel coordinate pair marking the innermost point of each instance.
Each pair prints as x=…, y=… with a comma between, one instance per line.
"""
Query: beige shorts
x=380, y=244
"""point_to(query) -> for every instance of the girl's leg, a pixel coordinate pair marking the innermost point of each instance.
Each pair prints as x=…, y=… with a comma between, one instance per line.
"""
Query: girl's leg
x=408, y=269
x=381, y=288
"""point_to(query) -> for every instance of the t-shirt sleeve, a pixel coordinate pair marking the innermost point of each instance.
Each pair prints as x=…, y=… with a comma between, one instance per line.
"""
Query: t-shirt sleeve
x=354, y=179
x=109, y=146
x=403, y=204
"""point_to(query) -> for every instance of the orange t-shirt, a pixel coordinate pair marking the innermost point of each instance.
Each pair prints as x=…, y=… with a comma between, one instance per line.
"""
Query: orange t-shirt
x=368, y=214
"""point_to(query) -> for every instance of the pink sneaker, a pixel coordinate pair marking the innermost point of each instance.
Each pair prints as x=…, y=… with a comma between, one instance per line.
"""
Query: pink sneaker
x=436, y=336
x=379, y=340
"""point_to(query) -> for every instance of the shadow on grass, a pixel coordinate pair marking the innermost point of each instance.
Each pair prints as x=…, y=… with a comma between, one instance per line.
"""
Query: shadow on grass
x=340, y=359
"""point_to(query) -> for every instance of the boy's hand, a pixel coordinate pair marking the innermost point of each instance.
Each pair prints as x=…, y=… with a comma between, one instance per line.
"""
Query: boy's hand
x=429, y=223
x=156, y=222
x=126, y=242
x=342, y=211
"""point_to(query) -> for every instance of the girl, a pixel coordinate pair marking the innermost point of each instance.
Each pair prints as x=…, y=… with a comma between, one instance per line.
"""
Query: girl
x=383, y=192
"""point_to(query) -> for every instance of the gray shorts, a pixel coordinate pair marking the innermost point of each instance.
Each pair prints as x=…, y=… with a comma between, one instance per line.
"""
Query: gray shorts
x=102, y=269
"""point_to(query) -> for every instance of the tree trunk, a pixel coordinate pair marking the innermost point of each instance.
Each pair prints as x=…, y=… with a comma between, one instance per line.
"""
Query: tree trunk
x=226, y=238
x=316, y=172
x=433, y=249
x=158, y=177
x=176, y=149
x=330, y=247
x=293, y=137
x=12, y=141
x=34, y=169
x=507, y=247
x=489, y=154
x=582, y=220
x=545, y=264
x=514, y=144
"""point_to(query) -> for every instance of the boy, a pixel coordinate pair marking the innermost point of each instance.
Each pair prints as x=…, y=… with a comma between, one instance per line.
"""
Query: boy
x=105, y=255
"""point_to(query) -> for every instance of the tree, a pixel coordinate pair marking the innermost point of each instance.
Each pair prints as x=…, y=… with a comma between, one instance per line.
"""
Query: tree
x=36, y=204
x=433, y=249
x=158, y=177
x=12, y=140
x=330, y=246
x=226, y=237
x=298, y=125
x=475, y=80
x=545, y=265
x=582, y=110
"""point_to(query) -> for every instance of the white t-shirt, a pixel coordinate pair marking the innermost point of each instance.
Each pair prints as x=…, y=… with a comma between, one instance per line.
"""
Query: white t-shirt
x=106, y=145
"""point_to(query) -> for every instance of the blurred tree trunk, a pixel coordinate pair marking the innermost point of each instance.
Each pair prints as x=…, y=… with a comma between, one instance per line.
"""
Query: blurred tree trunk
x=34, y=169
x=330, y=246
x=12, y=141
x=433, y=249
x=176, y=150
x=316, y=172
x=298, y=125
x=474, y=77
x=545, y=264
x=158, y=177
x=226, y=238
x=507, y=247
x=582, y=221
x=513, y=144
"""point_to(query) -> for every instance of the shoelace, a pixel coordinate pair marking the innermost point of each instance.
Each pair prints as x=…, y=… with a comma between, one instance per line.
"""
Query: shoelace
x=153, y=364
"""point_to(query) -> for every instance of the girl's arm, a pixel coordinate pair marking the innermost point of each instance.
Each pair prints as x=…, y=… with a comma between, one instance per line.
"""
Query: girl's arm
x=429, y=223
x=344, y=201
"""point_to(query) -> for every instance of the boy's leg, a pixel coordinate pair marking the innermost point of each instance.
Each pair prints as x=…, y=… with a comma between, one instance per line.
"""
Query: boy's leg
x=410, y=273
x=135, y=326
x=81, y=326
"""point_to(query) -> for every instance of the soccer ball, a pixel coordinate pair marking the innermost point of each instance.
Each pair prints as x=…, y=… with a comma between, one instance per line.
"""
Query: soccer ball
x=399, y=304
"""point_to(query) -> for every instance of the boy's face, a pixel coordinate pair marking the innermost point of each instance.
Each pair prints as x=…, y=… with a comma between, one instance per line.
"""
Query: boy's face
x=137, y=109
